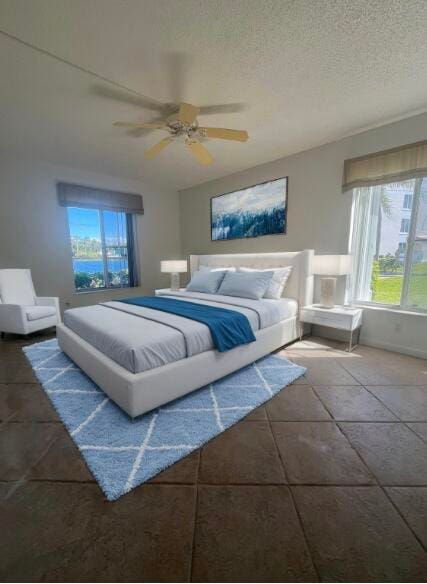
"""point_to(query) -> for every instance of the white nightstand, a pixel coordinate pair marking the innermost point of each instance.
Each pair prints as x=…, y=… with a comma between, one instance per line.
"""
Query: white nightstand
x=340, y=317
x=161, y=291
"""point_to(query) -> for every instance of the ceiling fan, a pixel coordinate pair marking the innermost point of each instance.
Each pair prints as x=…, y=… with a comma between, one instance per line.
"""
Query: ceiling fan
x=184, y=123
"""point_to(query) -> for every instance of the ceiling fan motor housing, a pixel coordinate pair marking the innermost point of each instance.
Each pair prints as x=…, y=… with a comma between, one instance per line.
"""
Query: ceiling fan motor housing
x=178, y=127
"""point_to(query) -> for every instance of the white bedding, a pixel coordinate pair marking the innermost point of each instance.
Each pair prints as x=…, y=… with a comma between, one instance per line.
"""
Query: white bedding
x=141, y=338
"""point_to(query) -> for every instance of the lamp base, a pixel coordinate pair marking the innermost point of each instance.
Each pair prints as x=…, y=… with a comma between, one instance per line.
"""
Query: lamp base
x=327, y=292
x=175, y=281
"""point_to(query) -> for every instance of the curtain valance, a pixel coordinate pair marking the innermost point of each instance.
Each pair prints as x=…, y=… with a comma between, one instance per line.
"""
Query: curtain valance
x=397, y=164
x=70, y=195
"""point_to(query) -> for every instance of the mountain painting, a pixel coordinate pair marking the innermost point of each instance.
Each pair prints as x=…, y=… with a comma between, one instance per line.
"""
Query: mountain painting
x=251, y=212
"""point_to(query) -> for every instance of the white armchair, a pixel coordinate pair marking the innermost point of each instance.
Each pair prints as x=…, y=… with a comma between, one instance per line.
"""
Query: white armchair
x=21, y=311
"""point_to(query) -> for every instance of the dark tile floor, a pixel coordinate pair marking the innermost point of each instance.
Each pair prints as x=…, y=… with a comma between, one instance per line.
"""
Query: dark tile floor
x=327, y=482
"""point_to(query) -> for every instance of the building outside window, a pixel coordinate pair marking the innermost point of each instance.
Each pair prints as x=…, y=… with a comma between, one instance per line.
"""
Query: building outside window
x=404, y=225
x=407, y=201
x=389, y=244
x=401, y=250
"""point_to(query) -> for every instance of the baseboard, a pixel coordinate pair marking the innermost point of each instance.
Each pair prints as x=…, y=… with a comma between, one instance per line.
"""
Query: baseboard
x=342, y=336
x=393, y=347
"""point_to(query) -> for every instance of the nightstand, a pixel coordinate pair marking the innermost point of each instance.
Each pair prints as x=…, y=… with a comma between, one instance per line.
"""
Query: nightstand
x=344, y=318
x=160, y=291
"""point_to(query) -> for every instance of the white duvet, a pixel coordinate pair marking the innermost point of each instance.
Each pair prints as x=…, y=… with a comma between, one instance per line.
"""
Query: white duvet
x=141, y=338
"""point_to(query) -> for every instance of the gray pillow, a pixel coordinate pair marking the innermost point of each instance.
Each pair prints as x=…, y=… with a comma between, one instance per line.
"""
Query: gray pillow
x=207, y=282
x=246, y=284
x=278, y=282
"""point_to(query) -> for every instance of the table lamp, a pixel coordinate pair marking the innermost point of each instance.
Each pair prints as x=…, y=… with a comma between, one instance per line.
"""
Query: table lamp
x=330, y=265
x=174, y=268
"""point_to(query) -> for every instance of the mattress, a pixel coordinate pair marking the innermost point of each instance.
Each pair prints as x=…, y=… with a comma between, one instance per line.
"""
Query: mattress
x=139, y=338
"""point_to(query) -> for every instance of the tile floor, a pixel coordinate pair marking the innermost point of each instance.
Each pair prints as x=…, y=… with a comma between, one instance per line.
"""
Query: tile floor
x=327, y=482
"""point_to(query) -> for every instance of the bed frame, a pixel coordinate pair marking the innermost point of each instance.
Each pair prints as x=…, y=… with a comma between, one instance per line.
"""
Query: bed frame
x=137, y=393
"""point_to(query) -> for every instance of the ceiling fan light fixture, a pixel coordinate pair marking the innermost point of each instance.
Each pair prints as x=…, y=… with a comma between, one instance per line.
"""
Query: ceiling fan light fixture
x=184, y=124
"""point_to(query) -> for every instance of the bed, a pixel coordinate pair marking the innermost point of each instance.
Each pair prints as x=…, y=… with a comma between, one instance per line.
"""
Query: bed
x=143, y=358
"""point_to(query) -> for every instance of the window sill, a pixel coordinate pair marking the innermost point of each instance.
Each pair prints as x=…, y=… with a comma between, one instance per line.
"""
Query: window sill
x=392, y=309
x=96, y=290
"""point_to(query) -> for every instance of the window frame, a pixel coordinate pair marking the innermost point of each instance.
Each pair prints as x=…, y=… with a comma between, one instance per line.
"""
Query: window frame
x=130, y=245
x=410, y=244
x=405, y=221
x=411, y=239
x=401, y=248
x=410, y=197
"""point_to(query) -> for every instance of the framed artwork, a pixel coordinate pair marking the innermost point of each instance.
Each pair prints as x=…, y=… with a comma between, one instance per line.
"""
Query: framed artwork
x=250, y=212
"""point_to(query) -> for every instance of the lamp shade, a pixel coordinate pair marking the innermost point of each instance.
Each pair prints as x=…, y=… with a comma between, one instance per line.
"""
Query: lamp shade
x=332, y=265
x=173, y=266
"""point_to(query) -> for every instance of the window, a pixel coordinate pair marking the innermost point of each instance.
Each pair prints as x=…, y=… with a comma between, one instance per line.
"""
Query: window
x=389, y=244
x=101, y=243
x=407, y=202
x=404, y=225
x=401, y=250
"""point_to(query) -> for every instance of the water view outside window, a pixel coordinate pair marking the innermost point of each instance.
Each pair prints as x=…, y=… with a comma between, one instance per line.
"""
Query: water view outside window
x=390, y=247
x=100, y=248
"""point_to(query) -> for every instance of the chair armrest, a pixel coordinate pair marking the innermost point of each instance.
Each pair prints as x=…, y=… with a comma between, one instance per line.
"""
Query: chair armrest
x=12, y=317
x=49, y=301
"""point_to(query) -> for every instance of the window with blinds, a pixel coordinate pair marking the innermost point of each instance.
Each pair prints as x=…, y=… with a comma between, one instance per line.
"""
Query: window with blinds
x=101, y=224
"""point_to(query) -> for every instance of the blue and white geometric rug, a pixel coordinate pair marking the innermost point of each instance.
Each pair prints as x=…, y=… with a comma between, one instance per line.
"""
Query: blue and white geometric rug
x=122, y=454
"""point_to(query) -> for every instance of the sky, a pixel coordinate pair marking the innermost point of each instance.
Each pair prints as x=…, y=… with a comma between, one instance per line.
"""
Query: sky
x=86, y=223
x=264, y=196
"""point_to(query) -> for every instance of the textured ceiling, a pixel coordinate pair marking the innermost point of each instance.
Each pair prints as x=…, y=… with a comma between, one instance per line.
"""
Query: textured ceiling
x=307, y=72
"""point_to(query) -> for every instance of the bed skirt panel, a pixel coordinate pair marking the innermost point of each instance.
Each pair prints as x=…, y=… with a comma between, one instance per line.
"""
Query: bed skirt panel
x=138, y=393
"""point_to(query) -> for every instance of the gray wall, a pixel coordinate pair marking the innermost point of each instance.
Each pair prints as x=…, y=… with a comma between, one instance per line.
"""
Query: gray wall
x=34, y=228
x=318, y=217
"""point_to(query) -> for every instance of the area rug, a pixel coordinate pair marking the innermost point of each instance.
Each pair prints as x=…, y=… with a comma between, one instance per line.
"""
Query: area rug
x=121, y=453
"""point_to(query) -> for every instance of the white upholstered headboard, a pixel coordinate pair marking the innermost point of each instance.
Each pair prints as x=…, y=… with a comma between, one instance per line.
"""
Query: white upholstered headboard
x=300, y=284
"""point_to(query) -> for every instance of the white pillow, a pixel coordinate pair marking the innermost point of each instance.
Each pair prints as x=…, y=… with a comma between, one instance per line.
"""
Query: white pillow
x=249, y=285
x=216, y=269
x=278, y=282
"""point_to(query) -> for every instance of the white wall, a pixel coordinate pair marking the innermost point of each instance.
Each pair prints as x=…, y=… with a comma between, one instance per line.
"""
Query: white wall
x=318, y=217
x=34, y=228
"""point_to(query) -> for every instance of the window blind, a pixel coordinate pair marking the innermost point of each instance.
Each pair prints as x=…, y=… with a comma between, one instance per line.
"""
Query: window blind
x=71, y=195
x=394, y=165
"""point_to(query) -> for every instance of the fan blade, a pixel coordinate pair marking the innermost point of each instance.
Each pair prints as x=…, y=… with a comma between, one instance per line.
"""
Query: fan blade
x=130, y=97
x=188, y=113
x=199, y=151
x=223, y=108
x=225, y=134
x=138, y=126
x=157, y=148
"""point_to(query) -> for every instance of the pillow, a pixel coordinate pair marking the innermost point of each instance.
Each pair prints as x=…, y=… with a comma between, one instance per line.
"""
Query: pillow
x=246, y=285
x=209, y=269
x=207, y=282
x=278, y=282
